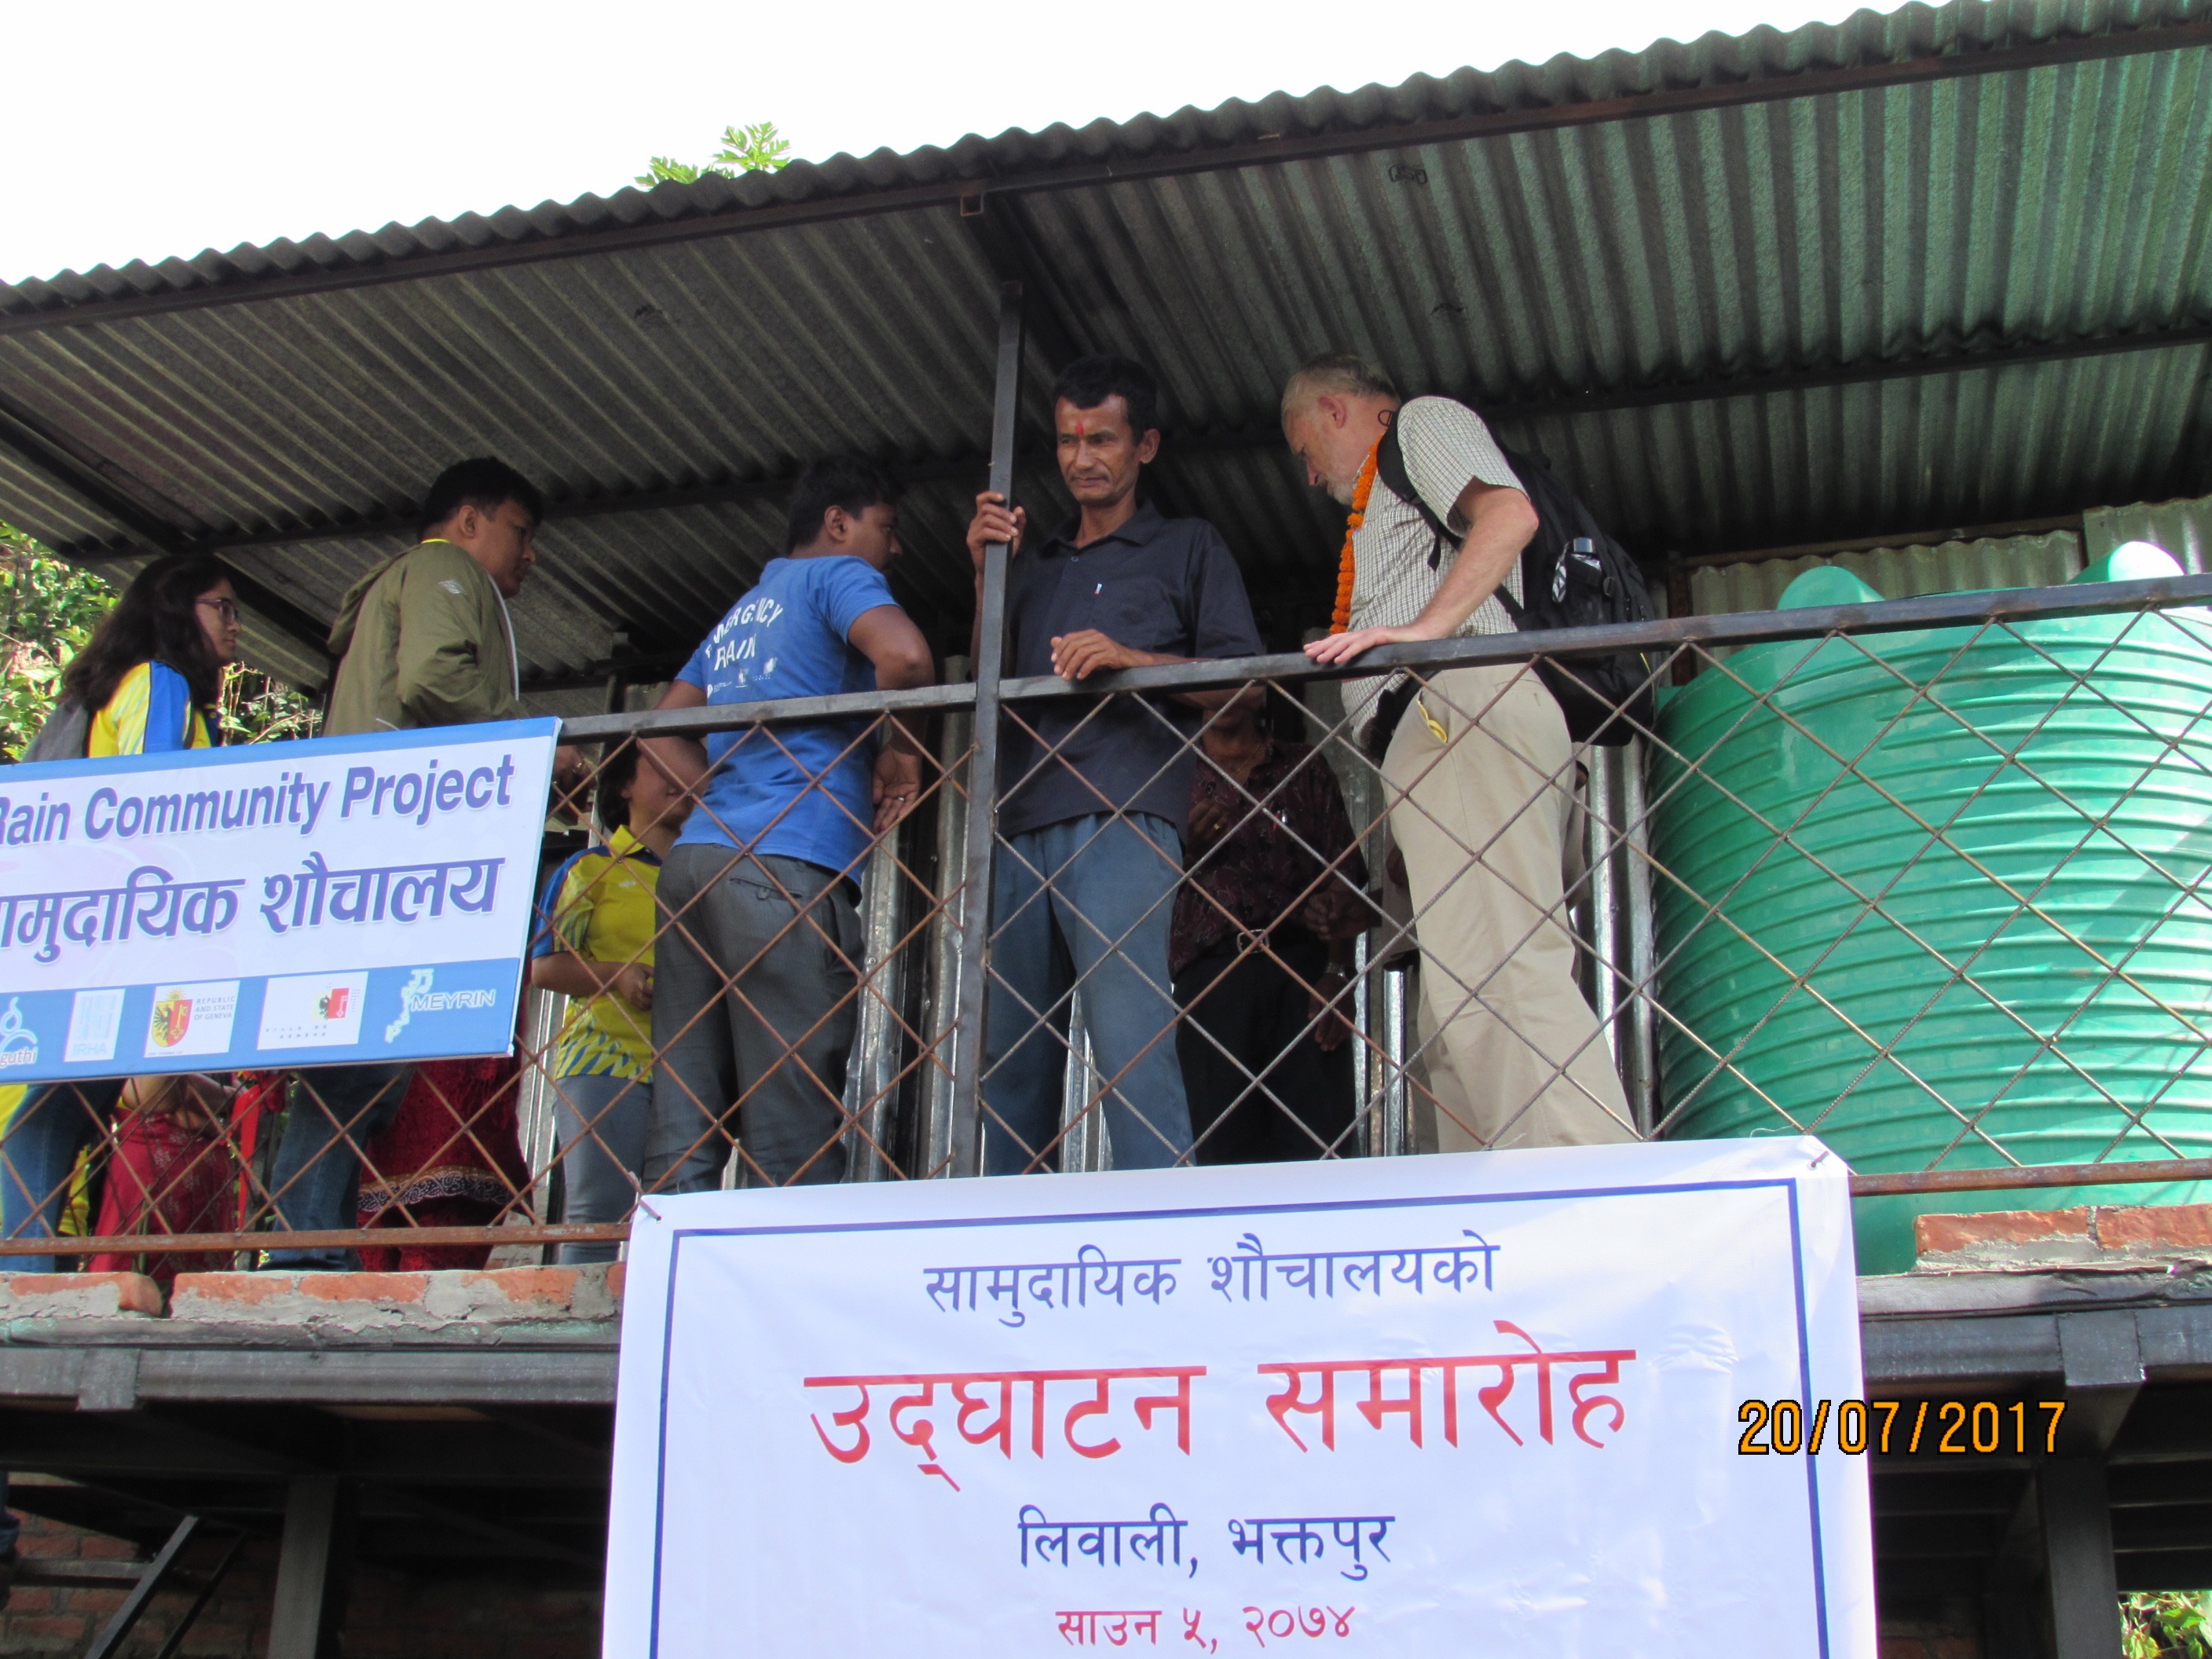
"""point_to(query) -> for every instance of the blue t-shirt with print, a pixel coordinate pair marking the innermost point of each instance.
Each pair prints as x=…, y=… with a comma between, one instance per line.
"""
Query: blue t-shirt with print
x=799, y=791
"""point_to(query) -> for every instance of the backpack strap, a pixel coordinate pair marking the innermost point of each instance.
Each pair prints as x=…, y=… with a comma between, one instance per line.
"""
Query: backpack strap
x=1390, y=468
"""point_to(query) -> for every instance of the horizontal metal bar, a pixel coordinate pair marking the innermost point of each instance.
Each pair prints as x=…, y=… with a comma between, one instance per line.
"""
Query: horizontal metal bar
x=1732, y=628
x=2002, y=1179
x=352, y=1239
x=35, y=1572
x=1998, y=1179
x=1167, y=162
x=783, y=711
x=511, y=1373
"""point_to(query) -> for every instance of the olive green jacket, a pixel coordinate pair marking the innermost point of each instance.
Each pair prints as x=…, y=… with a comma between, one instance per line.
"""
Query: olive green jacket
x=424, y=641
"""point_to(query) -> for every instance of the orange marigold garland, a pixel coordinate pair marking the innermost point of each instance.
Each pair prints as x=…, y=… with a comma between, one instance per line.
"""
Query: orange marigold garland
x=1339, y=620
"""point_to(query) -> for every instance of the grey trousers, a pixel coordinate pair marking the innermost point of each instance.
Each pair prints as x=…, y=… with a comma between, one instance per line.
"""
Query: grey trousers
x=753, y=1013
x=602, y=1120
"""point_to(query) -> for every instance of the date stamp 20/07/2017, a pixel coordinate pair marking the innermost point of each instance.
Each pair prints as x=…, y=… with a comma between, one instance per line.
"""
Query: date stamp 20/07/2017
x=1952, y=1427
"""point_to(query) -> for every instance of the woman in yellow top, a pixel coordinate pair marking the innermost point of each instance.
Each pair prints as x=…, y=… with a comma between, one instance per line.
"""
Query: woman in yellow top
x=149, y=678
x=152, y=675
x=594, y=942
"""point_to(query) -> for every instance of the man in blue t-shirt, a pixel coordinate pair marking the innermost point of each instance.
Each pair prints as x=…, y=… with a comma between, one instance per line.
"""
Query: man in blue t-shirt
x=755, y=971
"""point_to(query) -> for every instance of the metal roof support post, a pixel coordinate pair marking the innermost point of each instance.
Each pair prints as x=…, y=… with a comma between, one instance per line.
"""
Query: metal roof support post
x=2077, y=1551
x=303, y=1616
x=966, y=1141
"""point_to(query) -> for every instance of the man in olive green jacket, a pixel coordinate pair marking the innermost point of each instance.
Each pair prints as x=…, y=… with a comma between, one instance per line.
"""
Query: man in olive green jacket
x=424, y=641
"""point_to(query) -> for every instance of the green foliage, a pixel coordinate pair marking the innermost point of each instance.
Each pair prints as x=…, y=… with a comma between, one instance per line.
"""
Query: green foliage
x=2166, y=1625
x=257, y=708
x=48, y=610
x=756, y=149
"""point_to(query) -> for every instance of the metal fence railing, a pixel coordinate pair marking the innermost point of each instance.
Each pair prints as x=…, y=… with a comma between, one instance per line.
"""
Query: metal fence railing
x=1924, y=878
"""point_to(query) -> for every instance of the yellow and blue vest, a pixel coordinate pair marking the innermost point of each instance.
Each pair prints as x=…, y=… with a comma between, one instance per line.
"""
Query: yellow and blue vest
x=150, y=714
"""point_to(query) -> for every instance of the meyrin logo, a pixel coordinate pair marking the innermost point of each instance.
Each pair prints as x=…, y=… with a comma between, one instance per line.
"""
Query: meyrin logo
x=331, y=1005
x=416, y=997
x=173, y=1017
x=19, y=1043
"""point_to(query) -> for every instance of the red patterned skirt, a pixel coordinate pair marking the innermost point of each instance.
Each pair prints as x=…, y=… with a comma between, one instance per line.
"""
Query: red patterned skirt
x=170, y=1172
x=451, y=1158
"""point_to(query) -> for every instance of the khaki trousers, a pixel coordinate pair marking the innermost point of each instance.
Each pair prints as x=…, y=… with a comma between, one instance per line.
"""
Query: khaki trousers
x=1481, y=786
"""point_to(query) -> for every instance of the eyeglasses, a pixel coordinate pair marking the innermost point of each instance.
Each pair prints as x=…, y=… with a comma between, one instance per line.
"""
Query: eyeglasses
x=226, y=608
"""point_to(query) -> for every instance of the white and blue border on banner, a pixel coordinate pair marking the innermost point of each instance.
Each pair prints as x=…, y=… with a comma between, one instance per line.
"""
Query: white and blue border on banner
x=320, y=903
x=1228, y=1410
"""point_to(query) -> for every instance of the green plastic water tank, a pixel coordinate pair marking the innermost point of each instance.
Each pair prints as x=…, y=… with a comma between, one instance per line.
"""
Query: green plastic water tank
x=1941, y=898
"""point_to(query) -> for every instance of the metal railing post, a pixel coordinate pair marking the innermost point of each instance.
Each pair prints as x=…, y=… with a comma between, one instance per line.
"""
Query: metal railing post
x=964, y=1150
x=1640, y=1070
x=1601, y=895
x=872, y=1074
x=1084, y=1145
x=941, y=989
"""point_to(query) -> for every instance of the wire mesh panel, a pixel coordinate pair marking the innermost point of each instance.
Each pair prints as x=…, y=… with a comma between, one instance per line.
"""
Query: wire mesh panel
x=1924, y=879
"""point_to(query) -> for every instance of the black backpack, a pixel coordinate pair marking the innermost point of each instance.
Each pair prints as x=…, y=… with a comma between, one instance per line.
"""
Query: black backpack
x=1573, y=574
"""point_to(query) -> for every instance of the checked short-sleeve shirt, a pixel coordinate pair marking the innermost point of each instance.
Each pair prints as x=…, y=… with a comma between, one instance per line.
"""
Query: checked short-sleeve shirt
x=1447, y=446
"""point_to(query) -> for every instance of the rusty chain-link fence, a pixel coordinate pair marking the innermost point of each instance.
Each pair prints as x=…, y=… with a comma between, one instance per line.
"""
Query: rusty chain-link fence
x=1923, y=878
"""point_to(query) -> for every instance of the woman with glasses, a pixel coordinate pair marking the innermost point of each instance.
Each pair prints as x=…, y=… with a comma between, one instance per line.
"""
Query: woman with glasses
x=148, y=682
x=152, y=676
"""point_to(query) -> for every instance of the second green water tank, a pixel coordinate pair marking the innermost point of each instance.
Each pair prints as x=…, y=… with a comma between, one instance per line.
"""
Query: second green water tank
x=1941, y=898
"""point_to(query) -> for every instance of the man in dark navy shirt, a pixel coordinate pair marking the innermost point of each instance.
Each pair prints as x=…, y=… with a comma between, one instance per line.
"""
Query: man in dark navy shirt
x=1092, y=798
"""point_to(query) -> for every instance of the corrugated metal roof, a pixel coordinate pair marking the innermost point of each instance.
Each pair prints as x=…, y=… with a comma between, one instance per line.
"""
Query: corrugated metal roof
x=1951, y=265
x=1898, y=573
x=2182, y=528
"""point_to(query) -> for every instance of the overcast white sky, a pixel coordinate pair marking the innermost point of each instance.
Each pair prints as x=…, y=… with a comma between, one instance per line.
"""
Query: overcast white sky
x=138, y=130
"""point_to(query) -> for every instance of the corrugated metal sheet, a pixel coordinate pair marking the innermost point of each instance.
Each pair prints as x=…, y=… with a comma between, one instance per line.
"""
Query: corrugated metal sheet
x=1898, y=573
x=2182, y=528
x=1842, y=231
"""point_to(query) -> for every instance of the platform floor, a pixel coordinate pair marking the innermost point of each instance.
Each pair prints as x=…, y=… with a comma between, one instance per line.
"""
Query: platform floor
x=462, y=1446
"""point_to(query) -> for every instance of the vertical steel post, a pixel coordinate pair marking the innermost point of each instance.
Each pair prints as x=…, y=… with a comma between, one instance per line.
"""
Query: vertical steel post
x=941, y=988
x=966, y=1140
x=1084, y=1145
x=310, y=1569
x=1640, y=1069
x=1601, y=896
x=872, y=1073
x=2079, y=1571
x=1397, y=1097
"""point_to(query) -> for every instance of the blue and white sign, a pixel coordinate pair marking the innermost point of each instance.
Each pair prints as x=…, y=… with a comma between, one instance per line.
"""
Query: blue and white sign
x=280, y=904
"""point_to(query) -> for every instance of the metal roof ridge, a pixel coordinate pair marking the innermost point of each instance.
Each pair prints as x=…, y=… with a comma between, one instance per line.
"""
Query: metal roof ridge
x=1917, y=43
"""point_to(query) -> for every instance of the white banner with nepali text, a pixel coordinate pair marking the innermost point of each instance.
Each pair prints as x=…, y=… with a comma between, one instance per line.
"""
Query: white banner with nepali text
x=308, y=903
x=1418, y=1406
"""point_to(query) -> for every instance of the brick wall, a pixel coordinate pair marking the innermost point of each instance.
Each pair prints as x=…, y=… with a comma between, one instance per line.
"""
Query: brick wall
x=1951, y=1631
x=388, y=1615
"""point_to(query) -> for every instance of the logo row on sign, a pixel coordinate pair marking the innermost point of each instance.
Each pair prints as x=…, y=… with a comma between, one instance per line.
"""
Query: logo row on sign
x=303, y=1011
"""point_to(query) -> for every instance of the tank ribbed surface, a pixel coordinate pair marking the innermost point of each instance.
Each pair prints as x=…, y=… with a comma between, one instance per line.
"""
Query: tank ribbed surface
x=1940, y=898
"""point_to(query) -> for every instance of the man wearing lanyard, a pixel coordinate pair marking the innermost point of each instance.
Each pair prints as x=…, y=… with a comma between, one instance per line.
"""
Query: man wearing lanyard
x=423, y=641
x=1477, y=761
